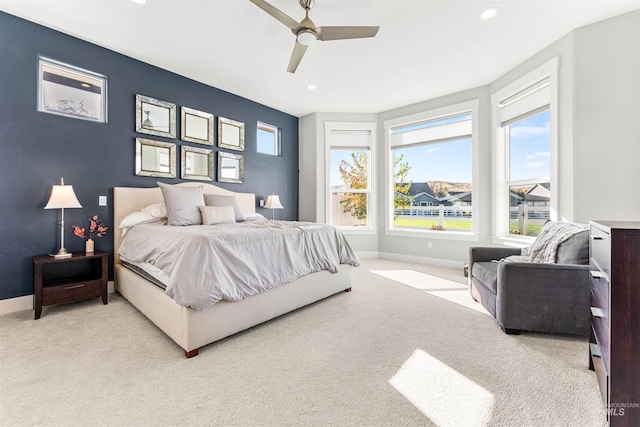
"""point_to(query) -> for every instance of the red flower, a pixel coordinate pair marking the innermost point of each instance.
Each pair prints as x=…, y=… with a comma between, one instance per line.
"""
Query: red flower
x=78, y=232
x=96, y=228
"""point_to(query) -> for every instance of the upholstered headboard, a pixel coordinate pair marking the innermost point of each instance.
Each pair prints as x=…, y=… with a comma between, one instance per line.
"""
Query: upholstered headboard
x=133, y=199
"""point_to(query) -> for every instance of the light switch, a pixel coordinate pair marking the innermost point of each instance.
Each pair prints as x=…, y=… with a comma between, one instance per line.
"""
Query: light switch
x=261, y=203
x=102, y=200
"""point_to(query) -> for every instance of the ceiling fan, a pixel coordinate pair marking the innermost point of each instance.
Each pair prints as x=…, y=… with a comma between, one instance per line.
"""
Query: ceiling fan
x=306, y=31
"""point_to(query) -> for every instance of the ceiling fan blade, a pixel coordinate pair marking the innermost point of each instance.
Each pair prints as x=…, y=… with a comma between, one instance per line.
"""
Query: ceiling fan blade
x=341, y=33
x=296, y=56
x=277, y=13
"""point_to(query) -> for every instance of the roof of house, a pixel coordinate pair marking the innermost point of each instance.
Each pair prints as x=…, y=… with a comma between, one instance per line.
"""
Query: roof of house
x=463, y=196
x=420, y=187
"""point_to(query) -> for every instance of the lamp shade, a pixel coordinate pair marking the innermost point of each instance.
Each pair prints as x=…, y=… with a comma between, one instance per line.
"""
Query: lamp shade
x=273, y=202
x=62, y=197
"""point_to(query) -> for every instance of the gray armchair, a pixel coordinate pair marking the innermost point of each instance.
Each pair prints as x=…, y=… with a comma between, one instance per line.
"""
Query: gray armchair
x=529, y=296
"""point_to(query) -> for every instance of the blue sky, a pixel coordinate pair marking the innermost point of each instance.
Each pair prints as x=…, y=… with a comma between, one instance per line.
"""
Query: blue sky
x=452, y=161
x=530, y=149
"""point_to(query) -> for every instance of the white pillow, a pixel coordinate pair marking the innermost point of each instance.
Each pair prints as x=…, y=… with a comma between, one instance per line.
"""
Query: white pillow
x=182, y=204
x=135, y=218
x=156, y=210
x=252, y=216
x=220, y=200
x=217, y=215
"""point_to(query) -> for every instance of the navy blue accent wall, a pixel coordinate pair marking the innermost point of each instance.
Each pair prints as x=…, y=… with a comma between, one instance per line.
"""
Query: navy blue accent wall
x=36, y=148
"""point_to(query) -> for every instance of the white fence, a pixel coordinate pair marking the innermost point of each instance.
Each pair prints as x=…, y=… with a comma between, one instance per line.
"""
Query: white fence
x=523, y=219
x=441, y=212
x=527, y=219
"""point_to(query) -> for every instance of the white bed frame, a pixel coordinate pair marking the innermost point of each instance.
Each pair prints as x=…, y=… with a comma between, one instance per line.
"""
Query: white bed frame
x=192, y=329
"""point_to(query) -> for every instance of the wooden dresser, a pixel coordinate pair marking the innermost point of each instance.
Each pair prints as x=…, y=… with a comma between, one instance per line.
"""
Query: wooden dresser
x=614, y=344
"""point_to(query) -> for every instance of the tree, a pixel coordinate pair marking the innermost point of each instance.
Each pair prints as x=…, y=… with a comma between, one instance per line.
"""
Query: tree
x=440, y=189
x=401, y=197
x=355, y=176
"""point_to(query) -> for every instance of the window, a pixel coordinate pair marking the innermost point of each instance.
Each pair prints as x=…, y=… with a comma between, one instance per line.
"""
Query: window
x=268, y=139
x=524, y=117
x=529, y=141
x=350, y=204
x=431, y=171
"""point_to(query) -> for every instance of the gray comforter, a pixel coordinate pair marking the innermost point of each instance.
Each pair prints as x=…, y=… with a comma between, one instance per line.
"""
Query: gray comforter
x=209, y=263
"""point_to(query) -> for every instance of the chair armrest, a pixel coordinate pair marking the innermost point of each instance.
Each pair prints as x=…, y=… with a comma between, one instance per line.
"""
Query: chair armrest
x=553, y=295
x=486, y=253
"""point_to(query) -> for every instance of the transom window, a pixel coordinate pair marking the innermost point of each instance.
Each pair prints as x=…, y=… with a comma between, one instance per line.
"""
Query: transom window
x=268, y=139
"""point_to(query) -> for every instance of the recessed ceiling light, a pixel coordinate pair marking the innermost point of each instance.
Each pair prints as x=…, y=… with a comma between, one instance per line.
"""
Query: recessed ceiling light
x=489, y=13
x=139, y=1
x=311, y=87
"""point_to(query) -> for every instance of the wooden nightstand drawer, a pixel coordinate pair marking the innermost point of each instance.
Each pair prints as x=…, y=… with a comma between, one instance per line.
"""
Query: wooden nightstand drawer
x=71, y=292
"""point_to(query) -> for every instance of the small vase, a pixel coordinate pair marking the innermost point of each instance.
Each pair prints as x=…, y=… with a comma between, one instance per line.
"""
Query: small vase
x=88, y=247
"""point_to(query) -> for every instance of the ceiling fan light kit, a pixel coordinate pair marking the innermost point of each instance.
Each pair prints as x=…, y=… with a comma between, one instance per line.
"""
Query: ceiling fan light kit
x=306, y=37
x=306, y=31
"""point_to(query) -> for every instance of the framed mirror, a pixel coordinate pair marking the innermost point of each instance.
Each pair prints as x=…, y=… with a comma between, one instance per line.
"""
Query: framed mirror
x=155, y=158
x=197, y=163
x=196, y=126
x=230, y=168
x=230, y=134
x=155, y=117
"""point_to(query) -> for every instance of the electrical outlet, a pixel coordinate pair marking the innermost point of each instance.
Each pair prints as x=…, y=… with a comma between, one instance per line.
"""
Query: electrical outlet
x=429, y=245
x=102, y=200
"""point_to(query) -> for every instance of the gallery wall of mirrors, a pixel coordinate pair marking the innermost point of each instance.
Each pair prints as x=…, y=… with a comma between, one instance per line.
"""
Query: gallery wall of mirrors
x=159, y=158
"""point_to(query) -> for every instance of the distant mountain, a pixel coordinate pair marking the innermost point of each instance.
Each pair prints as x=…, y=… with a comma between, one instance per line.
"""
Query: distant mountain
x=444, y=186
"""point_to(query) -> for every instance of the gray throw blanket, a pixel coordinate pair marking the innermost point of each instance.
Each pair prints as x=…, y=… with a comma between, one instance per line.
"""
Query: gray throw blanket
x=545, y=247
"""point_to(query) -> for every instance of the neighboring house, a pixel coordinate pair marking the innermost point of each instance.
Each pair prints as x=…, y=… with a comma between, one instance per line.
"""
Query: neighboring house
x=459, y=198
x=422, y=195
x=538, y=195
x=515, y=198
x=425, y=199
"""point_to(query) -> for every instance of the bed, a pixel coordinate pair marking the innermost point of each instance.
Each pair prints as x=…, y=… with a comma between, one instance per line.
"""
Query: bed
x=192, y=329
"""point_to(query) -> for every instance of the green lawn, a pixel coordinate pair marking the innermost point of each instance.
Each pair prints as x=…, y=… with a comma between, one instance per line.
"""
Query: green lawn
x=452, y=224
x=427, y=223
x=532, y=229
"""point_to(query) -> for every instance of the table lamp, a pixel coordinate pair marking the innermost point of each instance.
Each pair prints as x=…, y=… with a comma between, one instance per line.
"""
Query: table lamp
x=273, y=202
x=62, y=196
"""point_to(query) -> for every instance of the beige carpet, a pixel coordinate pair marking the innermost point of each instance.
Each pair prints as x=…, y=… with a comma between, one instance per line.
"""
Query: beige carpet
x=406, y=348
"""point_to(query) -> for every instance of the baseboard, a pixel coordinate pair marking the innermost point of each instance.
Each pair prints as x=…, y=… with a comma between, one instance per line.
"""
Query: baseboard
x=367, y=254
x=11, y=305
x=437, y=262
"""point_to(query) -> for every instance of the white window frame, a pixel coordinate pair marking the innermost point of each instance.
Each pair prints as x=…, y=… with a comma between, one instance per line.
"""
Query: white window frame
x=357, y=127
x=276, y=137
x=549, y=71
x=435, y=114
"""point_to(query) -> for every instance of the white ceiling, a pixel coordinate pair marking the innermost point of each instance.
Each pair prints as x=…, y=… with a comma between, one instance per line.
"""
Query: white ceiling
x=424, y=49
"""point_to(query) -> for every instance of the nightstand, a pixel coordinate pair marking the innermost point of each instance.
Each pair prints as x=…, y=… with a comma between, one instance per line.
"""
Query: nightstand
x=82, y=276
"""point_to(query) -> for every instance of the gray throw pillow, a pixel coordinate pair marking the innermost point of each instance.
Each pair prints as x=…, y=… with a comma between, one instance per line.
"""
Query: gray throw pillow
x=219, y=200
x=182, y=204
x=574, y=250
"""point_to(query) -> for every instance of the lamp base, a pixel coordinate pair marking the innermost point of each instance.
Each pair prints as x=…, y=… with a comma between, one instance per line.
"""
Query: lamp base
x=62, y=253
